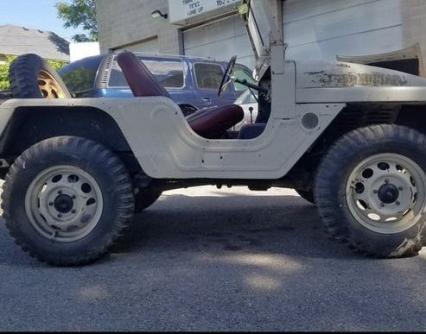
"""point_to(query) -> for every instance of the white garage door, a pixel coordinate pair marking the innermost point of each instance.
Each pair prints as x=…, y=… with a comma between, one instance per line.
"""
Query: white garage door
x=323, y=29
x=220, y=40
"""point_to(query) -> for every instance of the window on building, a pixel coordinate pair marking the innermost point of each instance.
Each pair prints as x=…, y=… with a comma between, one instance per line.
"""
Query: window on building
x=168, y=73
x=209, y=76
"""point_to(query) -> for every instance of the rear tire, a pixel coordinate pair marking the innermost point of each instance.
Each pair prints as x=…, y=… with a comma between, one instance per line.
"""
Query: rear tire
x=371, y=190
x=66, y=200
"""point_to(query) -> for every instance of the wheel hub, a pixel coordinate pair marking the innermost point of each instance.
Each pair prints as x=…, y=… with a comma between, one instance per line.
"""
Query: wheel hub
x=49, y=87
x=388, y=193
x=63, y=203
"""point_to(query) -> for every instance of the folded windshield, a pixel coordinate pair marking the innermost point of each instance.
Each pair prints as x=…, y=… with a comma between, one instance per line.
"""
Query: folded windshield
x=259, y=24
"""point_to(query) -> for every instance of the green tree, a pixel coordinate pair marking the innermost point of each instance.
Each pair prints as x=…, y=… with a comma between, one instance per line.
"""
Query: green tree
x=4, y=81
x=79, y=13
x=4, y=73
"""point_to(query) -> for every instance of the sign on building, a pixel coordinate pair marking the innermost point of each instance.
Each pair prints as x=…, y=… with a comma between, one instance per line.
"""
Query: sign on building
x=184, y=12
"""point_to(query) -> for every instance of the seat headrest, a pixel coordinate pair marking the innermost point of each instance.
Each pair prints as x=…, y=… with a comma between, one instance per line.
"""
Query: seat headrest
x=139, y=78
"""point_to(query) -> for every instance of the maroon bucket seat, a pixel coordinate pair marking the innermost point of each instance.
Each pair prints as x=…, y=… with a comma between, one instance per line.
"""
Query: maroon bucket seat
x=209, y=123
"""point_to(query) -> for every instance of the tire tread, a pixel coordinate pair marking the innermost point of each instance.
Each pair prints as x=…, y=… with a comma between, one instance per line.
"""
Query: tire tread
x=125, y=190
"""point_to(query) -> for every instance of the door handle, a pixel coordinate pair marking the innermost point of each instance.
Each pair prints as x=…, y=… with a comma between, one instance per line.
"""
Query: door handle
x=206, y=99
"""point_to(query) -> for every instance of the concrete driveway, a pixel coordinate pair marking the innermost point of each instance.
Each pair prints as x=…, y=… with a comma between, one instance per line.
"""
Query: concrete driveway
x=204, y=259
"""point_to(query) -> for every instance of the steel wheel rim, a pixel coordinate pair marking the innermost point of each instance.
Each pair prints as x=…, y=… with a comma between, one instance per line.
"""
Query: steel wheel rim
x=49, y=87
x=64, y=203
x=386, y=193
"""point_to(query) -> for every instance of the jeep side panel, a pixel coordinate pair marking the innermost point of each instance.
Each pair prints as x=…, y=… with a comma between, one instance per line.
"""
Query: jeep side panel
x=167, y=148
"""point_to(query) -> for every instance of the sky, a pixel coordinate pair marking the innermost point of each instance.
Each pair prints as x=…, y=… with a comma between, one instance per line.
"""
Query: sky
x=38, y=14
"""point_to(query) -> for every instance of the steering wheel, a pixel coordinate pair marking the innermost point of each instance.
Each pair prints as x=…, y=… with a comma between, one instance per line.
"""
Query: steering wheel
x=226, y=80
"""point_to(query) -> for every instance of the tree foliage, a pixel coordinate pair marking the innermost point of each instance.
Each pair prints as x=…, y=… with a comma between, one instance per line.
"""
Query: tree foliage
x=4, y=70
x=79, y=14
x=4, y=73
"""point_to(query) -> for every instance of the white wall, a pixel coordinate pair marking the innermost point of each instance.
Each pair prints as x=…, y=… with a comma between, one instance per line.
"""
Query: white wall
x=83, y=50
x=323, y=29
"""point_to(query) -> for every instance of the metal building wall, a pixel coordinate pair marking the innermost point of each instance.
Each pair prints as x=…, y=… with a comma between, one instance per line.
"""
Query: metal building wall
x=314, y=29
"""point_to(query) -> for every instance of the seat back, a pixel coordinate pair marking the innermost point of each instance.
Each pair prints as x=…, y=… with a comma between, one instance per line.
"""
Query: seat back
x=139, y=78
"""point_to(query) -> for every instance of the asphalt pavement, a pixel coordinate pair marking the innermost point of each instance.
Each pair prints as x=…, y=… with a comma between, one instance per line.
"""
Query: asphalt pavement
x=208, y=259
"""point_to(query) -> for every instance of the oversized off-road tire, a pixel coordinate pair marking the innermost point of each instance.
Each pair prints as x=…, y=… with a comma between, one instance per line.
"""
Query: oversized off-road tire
x=66, y=200
x=371, y=190
x=145, y=198
x=31, y=76
x=306, y=195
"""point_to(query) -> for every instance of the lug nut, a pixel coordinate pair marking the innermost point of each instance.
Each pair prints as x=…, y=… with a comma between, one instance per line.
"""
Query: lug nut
x=397, y=203
x=59, y=192
x=375, y=191
x=59, y=216
x=73, y=211
x=51, y=204
x=400, y=189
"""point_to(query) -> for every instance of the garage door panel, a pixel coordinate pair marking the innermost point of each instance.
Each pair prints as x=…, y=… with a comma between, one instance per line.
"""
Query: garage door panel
x=295, y=10
x=221, y=30
x=220, y=40
x=373, y=42
x=355, y=20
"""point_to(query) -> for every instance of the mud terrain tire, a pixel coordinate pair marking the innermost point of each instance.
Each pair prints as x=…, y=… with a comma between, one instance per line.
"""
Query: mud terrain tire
x=335, y=192
x=98, y=227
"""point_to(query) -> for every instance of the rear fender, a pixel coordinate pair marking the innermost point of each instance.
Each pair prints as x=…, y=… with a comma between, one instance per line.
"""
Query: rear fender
x=24, y=123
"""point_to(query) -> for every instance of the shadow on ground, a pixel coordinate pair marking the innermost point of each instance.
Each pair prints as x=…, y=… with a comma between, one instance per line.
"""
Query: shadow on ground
x=279, y=224
x=217, y=262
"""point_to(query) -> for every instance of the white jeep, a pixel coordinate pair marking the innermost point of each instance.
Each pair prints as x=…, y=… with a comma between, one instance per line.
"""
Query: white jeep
x=349, y=137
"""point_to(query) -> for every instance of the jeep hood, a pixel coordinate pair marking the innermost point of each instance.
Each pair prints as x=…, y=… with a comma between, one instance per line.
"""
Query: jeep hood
x=344, y=75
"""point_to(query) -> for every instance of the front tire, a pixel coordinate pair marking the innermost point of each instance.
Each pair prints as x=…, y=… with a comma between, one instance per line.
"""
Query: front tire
x=371, y=190
x=66, y=200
